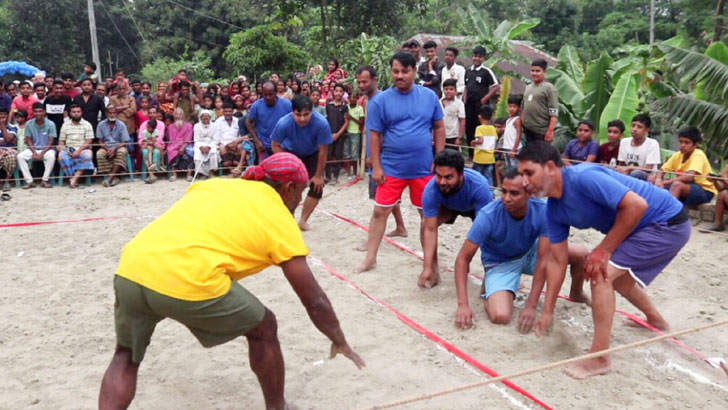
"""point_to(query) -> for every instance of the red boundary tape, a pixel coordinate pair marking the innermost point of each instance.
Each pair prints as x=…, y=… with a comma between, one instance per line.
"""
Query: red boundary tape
x=427, y=333
x=630, y=316
x=68, y=221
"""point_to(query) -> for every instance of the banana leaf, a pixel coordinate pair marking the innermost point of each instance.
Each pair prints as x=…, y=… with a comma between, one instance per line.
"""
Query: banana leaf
x=622, y=105
x=719, y=52
x=568, y=90
x=570, y=63
x=501, y=109
x=597, y=87
x=521, y=27
x=696, y=67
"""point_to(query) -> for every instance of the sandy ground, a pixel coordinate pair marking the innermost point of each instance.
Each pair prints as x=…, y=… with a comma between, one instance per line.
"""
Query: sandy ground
x=57, y=335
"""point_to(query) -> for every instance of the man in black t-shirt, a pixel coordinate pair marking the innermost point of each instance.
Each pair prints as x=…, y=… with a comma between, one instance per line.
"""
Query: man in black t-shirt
x=57, y=105
x=481, y=84
x=429, y=71
x=92, y=105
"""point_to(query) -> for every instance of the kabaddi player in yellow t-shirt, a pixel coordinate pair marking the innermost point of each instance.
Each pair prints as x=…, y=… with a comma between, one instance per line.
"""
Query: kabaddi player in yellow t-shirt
x=185, y=266
x=691, y=167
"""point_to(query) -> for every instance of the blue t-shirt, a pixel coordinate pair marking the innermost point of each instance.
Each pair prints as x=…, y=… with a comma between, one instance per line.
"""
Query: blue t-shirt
x=575, y=152
x=266, y=118
x=502, y=238
x=472, y=196
x=302, y=141
x=405, y=121
x=591, y=194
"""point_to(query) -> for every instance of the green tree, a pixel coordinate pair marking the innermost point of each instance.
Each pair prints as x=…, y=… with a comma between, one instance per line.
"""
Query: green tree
x=708, y=74
x=162, y=69
x=257, y=50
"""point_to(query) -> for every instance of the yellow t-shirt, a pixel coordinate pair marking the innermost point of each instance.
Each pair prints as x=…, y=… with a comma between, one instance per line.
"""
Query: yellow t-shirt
x=221, y=230
x=485, y=152
x=697, y=162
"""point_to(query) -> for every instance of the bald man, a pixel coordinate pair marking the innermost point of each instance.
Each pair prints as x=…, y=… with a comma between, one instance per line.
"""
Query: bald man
x=263, y=117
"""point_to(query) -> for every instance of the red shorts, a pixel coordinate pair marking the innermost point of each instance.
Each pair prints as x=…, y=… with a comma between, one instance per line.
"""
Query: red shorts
x=390, y=192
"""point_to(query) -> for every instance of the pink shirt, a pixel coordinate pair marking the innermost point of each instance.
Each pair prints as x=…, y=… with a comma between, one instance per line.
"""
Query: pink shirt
x=20, y=103
x=160, y=129
x=177, y=138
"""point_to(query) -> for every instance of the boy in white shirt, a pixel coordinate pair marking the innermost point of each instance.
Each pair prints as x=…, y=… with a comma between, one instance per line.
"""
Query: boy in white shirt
x=453, y=110
x=639, y=155
x=513, y=130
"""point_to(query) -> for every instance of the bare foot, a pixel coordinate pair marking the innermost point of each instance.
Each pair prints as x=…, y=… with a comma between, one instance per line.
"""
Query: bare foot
x=304, y=226
x=589, y=367
x=398, y=232
x=362, y=247
x=367, y=265
x=428, y=282
x=580, y=297
x=658, y=322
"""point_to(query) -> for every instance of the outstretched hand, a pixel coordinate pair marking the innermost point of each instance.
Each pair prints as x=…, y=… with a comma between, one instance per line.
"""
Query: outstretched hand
x=346, y=351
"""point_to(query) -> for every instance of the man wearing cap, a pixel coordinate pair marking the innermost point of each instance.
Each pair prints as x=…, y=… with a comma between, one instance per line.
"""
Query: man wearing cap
x=307, y=135
x=185, y=266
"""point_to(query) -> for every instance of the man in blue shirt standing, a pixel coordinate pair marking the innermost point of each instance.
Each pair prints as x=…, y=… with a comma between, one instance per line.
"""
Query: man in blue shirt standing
x=454, y=191
x=263, y=117
x=307, y=135
x=645, y=228
x=512, y=235
x=402, y=121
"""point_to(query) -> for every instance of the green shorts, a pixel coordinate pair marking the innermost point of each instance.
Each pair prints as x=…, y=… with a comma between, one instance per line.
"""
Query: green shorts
x=137, y=310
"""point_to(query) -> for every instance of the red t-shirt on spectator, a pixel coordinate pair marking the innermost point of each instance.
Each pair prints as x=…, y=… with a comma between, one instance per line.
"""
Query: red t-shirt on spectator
x=607, y=152
x=25, y=104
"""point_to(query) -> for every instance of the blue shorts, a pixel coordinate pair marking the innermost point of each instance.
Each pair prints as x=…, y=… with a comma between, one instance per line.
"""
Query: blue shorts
x=697, y=195
x=507, y=275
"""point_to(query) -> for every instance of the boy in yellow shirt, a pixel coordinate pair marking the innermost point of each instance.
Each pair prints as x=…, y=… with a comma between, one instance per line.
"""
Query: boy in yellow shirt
x=484, y=143
x=691, y=167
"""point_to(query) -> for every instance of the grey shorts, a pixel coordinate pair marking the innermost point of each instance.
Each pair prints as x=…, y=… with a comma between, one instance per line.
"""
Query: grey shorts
x=137, y=310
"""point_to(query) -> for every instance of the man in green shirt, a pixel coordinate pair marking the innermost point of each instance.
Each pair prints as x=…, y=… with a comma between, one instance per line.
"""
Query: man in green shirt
x=540, y=105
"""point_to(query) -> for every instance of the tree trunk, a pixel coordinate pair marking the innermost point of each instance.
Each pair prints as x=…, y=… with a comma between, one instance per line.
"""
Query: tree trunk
x=323, y=25
x=718, y=31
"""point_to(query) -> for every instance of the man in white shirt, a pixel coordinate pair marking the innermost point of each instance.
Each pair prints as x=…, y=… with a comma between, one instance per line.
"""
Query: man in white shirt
x=227, y=138
x=639, y=155
x=453, y=70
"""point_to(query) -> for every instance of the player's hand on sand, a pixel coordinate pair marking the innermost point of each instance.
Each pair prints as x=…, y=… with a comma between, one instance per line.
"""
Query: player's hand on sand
x=346, y=351
x=464, y=317
x=543, y=324
x=526, y=319
x=428, y=278
x=596, y=265
x=378, y=175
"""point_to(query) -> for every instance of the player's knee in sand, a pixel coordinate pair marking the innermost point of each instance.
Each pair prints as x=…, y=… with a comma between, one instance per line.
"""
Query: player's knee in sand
x=499, y=307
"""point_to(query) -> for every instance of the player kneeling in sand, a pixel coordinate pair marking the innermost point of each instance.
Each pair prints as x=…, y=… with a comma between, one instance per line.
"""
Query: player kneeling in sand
x=454, y=191
x=644, y=226
x=185, y=265
x=513, y=238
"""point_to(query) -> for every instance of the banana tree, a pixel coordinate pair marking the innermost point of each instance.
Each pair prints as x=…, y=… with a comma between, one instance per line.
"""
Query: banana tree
x=706, y=105
x=498, y=43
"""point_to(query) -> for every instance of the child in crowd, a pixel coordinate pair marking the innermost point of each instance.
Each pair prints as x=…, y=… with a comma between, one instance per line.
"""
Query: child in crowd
x=352, y=147
x=500, y=164
x=484, y=143
x=583, y=148
x=453, y=110
x=151, y=151
x=219, y=102
x=336, y=110
x=609, y=151
x=639, y=155
x=722, y=203
x=315, y=98
x=690, y=166
x=513, y=131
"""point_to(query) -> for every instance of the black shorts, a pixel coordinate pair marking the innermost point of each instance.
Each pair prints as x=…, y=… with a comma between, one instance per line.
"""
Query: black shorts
x=449, y=142
x=532, y=135
x=311, y=163
x=454, y=215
